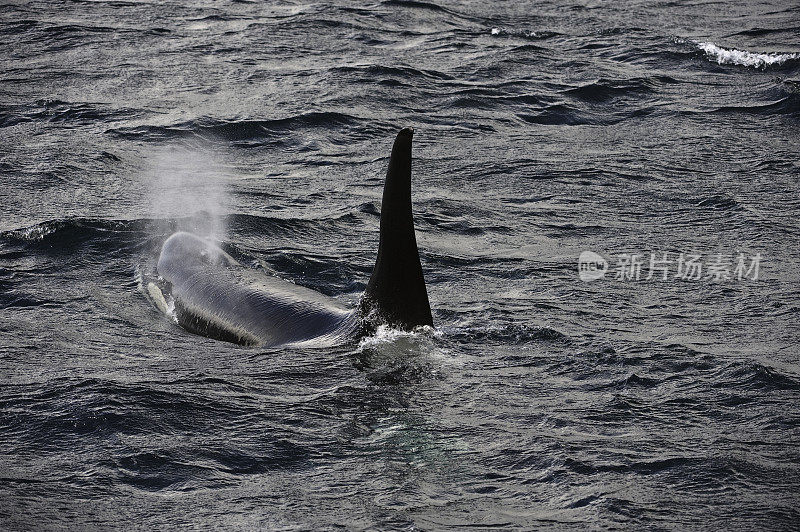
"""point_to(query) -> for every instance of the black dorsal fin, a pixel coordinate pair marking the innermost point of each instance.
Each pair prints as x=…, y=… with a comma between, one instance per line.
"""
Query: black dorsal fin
x=396, y=289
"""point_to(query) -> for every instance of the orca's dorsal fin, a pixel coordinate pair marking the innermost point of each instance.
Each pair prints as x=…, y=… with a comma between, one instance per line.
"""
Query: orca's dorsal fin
x=396, y=290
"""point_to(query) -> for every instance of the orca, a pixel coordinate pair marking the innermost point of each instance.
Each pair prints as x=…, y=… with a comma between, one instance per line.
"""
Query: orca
x=216, y=296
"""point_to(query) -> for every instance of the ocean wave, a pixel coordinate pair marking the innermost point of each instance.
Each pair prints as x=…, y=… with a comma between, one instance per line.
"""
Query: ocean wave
x=240, y=130
x=62, y=233
x=509, y=334
x=51, y=110
x=18, y=26
x=415, y=4
x=732, y=56
x=242, y=223
x=403, y=72
x=787, y=105
x=532, y=35
x=455, y=224
x=712, y=468
x=760, y=32
x=606, y=89
x=101, y=236
x=720, y=202
x=94, y=405
x=755, y=377
x=563, y=114
x=250, y=224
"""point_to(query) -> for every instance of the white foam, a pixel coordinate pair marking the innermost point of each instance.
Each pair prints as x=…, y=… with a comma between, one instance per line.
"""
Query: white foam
x=725, y=56
x=36, y=232
x=388, y=335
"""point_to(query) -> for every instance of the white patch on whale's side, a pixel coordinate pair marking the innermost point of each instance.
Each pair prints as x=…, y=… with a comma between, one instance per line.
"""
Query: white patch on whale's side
x=167, y=307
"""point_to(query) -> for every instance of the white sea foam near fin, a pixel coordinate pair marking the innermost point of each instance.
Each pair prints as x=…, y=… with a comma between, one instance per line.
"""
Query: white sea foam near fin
x=418, y=351
x=387, y=335
x=731, y=56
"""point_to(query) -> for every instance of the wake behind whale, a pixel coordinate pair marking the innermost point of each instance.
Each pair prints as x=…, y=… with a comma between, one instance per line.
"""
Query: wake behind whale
x=216, y=296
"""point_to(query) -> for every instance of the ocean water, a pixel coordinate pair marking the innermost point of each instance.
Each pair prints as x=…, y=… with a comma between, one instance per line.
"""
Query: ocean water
x=658, y=396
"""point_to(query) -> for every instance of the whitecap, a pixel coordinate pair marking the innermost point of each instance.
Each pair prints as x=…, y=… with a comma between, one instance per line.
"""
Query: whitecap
x=36, y=232
x=725, y=56
x=385, y=334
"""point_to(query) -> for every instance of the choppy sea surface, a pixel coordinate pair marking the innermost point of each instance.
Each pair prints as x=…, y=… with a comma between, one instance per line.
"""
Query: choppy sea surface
x=630, y=129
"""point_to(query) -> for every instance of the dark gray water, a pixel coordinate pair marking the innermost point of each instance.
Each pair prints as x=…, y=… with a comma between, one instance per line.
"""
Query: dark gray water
x=542, y=130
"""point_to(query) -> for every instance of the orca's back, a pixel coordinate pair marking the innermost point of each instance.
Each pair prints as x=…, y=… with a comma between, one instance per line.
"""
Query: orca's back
x=218, y=297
